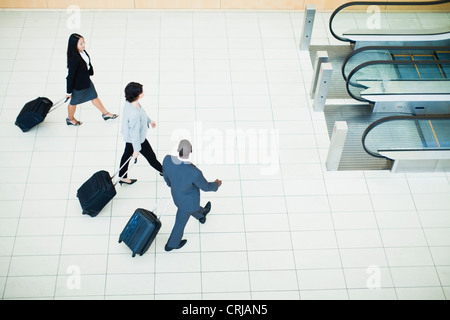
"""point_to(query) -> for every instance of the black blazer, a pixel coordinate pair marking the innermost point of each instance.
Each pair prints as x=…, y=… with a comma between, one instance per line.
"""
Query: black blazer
x=79, y=76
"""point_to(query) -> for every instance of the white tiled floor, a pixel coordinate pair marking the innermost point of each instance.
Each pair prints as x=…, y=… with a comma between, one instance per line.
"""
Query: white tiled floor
x=281, y=226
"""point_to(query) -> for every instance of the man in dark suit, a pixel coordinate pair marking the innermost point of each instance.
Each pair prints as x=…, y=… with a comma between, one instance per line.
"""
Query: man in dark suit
x=185, y=181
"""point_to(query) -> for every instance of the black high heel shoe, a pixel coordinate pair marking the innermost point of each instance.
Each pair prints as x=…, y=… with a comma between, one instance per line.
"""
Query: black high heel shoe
x=129, y=183
x=70, y=123
x=112, y=116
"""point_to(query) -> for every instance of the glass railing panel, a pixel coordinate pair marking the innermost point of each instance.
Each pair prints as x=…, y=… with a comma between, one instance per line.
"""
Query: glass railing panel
x=390, y=18
x=394, y=135
x=356, y=17
x=389, y=53
x=362, y=56
x=372, y=76
x=399, y=77
x=408, y=134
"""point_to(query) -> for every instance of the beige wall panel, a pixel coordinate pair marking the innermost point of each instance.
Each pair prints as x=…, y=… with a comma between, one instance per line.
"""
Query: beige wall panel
x=23, y=4
x=91, y=4
x=333, y=4
x=405, y=8
x=263, y=4
x=177, y=4
x=326, y=4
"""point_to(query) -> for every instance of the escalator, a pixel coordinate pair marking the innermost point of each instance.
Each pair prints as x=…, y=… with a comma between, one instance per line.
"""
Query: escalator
x=400, y=72
x=375, y=140
x=410, y=93
x=409, y=23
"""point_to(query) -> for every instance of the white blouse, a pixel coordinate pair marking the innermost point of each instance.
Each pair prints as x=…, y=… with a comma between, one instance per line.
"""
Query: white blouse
x=85, y=58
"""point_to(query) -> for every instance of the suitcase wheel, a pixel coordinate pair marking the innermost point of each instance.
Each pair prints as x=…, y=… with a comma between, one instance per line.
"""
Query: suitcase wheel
x=120, y=240
x=134, y=255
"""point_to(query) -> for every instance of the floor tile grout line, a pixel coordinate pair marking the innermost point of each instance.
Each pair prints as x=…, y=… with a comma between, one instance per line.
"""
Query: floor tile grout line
x=325, y=186
x=321, y=164
x=381, y=240
x=426, y=238
x=24, y=191
x=157, y=143
x=64, y=223
x=117, y=161
x=251, y=250
x=84, y=235
x=239, y=167
x=67, y=201
x=195, y=121
x=278, y=159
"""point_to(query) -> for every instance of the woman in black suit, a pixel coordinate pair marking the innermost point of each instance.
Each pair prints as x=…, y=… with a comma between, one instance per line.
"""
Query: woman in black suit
x=79, y=85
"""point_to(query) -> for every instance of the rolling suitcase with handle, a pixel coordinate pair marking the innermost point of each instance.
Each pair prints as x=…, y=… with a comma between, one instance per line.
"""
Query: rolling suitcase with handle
x=34, y=112
x=98, y=191
x=141, y=230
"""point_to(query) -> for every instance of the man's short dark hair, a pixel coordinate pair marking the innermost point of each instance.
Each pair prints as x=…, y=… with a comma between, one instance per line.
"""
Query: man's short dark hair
x=132, y=91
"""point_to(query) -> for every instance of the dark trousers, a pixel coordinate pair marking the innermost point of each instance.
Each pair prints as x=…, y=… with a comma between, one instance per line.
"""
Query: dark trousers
x=181, y=220
x=146, y=151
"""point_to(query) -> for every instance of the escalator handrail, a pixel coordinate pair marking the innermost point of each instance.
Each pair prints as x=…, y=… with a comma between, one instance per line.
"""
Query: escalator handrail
x=387, y=48
x=394, y=118
x=379, y=3
x=390, y=62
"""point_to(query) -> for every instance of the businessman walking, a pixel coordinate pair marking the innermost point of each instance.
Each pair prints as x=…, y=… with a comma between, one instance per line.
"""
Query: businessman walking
x=185, y=181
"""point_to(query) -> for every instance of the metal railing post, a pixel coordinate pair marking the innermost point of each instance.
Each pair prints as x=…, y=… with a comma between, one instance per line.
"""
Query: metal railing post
x=323, y=83
x=336, y=145
x=321, y=57
x=308, y=23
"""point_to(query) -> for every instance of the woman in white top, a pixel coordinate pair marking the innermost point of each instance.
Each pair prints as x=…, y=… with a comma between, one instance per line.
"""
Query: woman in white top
x=135, y=123
x=79, y=85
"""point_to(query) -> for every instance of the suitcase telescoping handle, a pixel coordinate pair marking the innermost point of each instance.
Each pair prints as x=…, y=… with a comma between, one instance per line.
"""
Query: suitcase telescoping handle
x=159, y=200
x=117, y=172
x=58, y=104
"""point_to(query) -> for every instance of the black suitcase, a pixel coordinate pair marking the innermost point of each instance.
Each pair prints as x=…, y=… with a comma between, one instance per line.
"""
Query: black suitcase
x=97, y=192
x=34, y=112
x=141, y=230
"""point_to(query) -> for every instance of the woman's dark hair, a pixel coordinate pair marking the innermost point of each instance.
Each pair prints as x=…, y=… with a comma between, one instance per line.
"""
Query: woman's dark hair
x=72, y=48
x=132, y=91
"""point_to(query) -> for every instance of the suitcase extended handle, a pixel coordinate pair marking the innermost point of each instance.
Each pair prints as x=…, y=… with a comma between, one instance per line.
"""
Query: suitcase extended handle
x=159, y=200
x=165, y=208
x=58, y=104
x=117, y=172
